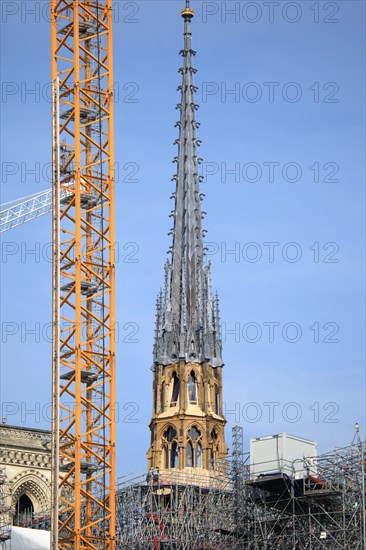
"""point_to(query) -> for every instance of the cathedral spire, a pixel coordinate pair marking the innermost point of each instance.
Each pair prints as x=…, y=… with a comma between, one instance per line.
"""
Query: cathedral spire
x=187, y=424
x=187, y=236
x=186, y=327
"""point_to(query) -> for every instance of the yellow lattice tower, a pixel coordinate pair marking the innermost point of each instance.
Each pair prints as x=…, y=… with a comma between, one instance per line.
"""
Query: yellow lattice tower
x=83, y=502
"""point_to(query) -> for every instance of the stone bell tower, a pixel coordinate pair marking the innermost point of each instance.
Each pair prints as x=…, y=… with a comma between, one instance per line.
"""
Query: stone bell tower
x=187, y=425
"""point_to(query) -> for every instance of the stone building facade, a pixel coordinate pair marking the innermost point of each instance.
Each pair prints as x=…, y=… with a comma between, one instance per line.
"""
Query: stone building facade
x=25, y=460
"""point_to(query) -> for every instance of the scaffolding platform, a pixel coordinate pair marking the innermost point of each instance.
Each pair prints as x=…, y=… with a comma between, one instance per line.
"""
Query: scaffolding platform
x=322, y=511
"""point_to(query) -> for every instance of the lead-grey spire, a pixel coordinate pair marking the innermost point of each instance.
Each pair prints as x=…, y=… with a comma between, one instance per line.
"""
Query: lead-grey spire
x=187, y=324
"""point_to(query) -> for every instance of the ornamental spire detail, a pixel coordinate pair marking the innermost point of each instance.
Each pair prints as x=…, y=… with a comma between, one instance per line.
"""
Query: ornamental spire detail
x=187, y=319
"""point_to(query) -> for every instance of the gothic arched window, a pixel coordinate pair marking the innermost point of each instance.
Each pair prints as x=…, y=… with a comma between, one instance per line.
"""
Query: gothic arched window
x=198, y=455
x=194, y=433
x=214, y=443
x=170, y=448
x=166, y=456
x=217, y=399
x=194, y=448
x=170, y=434
x=162, y=397
x=174, y=455
x=189, y=455
x=175, y=392
x=192, y=388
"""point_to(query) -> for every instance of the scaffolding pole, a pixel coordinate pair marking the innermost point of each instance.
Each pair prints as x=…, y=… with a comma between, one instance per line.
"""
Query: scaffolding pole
x=5, y=510
x=323, y=510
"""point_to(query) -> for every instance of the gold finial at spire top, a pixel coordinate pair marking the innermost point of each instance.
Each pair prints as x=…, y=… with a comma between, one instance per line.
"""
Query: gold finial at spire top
x=187, y=11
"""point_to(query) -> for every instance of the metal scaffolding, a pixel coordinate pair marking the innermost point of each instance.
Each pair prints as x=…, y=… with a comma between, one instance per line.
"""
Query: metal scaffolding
x=324, y=509
x=5, y=510
x=242, y=505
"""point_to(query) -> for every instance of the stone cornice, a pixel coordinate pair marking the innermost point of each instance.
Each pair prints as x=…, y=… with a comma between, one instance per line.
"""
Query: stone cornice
x=6, y=428
x=24, y=458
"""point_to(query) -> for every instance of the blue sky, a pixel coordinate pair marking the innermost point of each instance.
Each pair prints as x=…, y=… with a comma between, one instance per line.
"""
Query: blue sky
x=306, y=129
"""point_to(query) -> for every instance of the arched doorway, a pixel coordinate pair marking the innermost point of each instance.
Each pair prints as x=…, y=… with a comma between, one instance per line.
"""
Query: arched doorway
x=24, y=510
x=35, y=488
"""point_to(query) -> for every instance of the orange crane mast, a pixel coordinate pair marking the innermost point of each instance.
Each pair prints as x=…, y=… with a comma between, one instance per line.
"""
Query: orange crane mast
x=83, y=446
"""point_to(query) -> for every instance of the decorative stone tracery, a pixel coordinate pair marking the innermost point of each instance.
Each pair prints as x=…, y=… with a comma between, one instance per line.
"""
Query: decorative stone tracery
x=26, y=456
x=183, y=413
x=36, y=486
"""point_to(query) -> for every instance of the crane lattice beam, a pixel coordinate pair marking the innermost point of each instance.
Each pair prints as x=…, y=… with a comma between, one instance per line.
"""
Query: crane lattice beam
x=28, y=208
x=83, y=496
x=24, y=210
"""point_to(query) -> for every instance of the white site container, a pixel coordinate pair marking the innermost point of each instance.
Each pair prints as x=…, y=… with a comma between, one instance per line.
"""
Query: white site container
x=282, y=453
